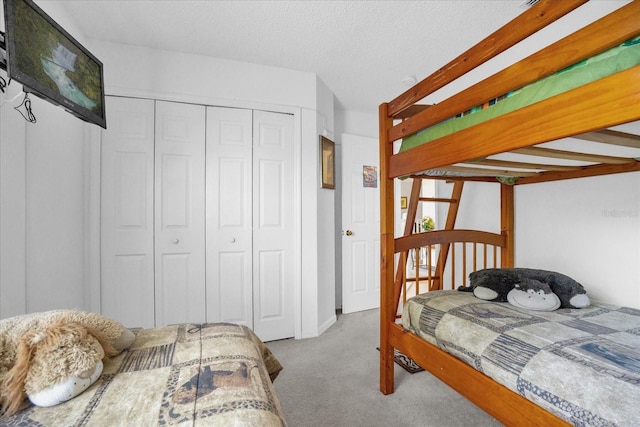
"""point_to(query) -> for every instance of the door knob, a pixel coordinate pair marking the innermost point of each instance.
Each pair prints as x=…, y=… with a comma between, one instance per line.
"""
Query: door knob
x=176, y=241
x=349, y=233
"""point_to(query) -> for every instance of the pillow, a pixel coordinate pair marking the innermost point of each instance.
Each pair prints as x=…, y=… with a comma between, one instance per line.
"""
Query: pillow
x=53, y=356
x=532, y=288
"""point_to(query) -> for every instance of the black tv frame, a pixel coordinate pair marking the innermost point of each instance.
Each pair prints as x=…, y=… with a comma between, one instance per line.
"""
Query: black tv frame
x=51, y=92
x=3, y=52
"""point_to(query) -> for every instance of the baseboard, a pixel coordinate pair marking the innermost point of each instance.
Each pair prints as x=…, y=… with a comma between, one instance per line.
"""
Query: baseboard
x=326, y=325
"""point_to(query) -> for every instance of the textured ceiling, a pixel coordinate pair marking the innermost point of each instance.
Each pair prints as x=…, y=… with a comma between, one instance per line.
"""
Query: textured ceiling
x=361, y=50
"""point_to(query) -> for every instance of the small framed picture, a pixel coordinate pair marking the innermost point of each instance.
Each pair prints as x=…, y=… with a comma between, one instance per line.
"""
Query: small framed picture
x=370, y=176
x=403, y=202
x=328, y=156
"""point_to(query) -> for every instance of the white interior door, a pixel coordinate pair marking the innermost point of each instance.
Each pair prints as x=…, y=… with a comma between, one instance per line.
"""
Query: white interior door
x=179, y=213
x=361, y=225
x=229, y=223
x=127, y=253
x=273, y=226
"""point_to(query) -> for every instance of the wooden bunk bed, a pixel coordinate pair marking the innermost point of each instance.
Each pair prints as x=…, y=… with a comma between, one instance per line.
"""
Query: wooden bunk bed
x=585, y=112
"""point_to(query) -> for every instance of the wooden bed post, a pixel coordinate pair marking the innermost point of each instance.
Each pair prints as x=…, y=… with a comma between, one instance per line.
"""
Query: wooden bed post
x=507, y=254
x=387, y=316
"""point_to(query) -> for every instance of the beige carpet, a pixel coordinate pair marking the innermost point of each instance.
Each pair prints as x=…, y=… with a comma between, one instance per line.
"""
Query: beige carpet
x=332, y=381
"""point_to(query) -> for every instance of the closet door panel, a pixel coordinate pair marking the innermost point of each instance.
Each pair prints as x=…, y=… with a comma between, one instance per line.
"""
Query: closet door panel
x=232, y=267
x=229, y=222
x=127, y=278
x=274, y=225
x=180, y=215
x=272, y=285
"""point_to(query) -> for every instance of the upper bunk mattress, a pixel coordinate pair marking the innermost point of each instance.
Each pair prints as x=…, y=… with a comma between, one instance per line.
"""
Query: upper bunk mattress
x=583, y=365
x=609, y=62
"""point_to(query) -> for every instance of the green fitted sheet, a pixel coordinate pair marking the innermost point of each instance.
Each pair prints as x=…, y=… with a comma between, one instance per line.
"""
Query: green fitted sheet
x=597, y=67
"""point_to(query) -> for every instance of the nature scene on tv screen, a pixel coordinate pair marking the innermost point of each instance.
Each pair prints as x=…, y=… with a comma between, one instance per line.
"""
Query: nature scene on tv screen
x=47, y=56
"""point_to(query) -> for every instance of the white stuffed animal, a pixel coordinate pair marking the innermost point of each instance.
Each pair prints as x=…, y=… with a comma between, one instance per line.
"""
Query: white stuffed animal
x=53, y=356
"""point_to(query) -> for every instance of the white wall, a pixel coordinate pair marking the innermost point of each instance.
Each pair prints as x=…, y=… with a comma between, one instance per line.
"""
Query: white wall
x=55, y=210
x=357, y=123
x=326, y=218
x=12, y=206
x=596, y=242
x=41, y=208
x=586, y=228
x=42, y=228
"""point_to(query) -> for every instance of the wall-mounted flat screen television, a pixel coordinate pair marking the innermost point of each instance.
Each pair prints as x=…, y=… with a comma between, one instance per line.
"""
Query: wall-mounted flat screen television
x=51, y=64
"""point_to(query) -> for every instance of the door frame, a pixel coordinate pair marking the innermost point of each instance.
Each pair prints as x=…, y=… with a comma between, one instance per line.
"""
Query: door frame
x=92, y=161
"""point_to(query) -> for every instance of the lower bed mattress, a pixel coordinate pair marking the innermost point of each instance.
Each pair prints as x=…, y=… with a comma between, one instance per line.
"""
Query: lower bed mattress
x=583, y=365
x=214, y=374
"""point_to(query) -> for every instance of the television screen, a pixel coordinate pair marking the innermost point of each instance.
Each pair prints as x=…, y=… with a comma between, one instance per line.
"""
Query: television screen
x=50, y=63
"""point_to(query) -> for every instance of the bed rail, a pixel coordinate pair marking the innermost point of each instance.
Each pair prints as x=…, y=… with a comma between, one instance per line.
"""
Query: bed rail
x=422, y=269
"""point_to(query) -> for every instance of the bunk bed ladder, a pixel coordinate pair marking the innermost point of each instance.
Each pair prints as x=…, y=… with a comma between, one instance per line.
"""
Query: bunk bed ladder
x=435, y=281
x=452, y=214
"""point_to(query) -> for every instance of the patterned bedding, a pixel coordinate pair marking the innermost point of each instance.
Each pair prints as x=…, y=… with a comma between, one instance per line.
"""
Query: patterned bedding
x=191, y=374
x=583, y=365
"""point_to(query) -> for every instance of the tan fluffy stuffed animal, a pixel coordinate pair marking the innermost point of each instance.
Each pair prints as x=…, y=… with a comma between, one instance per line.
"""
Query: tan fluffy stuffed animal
x=53, y=356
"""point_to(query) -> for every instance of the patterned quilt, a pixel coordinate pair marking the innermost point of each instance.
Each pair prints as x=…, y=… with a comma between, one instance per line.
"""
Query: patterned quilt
x=583, y=365
x=191, y=374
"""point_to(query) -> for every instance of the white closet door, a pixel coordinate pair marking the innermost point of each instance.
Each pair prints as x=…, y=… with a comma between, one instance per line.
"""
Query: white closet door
x=179, y=213
x=273, y=225
x=229, y=223
x=127, y=212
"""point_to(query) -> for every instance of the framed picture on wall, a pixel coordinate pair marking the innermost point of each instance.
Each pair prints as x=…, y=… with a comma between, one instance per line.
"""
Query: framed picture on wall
x=328, y=158
x=370, y=176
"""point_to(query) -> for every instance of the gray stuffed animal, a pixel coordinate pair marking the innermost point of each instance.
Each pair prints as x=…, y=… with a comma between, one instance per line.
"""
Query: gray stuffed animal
x=528, y=288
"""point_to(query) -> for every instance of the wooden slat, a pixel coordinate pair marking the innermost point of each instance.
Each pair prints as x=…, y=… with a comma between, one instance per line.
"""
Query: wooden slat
x=571, y=155
x=464, y=264
x=446, y=237
x=601, y=104
x=607, y=32
x=612, y=137
x=450, y=178
x=583, y=172
x=438, y=199
x=411, y=111
x=524, y=165
x=525, y=24
x=485, y=172
x=452, y=270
